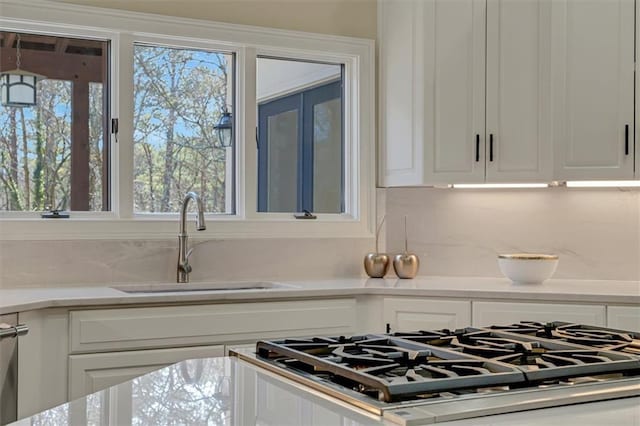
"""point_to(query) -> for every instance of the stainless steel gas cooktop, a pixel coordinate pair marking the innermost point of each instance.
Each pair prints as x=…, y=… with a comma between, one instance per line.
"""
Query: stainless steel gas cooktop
x=429, y=376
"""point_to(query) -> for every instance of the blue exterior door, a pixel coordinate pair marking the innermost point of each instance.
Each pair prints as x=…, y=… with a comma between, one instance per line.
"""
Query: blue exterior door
x=300, y=152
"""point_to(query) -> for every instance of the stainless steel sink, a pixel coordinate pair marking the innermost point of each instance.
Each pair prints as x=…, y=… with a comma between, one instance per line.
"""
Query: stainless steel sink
x=202, y=287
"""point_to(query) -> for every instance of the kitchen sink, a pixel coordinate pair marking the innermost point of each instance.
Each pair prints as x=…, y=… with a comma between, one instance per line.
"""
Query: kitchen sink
x=203, y=287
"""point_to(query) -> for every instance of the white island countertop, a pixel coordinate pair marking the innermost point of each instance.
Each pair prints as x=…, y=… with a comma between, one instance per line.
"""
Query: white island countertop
x=554, y=290
x=227, y=391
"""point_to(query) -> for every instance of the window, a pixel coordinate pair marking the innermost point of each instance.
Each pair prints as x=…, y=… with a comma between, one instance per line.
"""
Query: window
x=180, y=97
x=55, y=154
x=260, y=123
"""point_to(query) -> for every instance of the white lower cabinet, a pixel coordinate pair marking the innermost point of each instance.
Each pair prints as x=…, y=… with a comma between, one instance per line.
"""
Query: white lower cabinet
x=68, y=354
x=111, y=346
x=407, y=314
x=489, y=313
x=110, y=330
x=624, y=317
x=93, y=372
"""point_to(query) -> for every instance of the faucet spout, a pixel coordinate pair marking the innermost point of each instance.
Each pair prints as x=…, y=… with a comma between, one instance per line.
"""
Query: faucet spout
x=200, y=225
x=184, y=268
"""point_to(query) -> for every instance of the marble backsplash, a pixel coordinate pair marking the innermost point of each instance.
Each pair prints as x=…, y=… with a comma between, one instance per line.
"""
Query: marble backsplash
x=91, y=262
x=596, y=232
x=454, y=232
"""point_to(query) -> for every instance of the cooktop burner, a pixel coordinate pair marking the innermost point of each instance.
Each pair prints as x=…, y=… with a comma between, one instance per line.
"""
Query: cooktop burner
x=440, y=375
x=386, y=367
x=406, y=365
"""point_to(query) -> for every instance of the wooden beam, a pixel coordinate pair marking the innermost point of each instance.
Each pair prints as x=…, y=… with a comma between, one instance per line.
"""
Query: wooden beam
x=93, y=44
x=80, y=147
x=61, y=45
x=54, y=65
x=9, y=38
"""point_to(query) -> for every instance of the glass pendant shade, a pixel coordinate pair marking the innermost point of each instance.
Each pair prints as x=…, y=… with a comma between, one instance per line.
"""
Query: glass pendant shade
x=224, y=129
x=18, y=88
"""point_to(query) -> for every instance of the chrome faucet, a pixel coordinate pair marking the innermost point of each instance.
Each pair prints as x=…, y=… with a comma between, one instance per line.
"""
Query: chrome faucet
x=183, y=255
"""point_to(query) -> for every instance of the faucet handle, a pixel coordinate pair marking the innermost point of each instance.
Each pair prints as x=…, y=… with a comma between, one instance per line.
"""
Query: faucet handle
x=186, y=256
x=185, y=267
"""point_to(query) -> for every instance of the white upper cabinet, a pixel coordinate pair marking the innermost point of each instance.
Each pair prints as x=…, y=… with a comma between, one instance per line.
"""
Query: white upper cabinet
x=593, y=86
x=464, y=91
x=518, y=144
x=453, y=90
x=506, y=91
x=399, y=38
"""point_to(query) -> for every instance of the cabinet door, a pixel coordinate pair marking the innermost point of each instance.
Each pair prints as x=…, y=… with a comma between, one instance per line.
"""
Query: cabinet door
x=432, y=83
x=93, y=372
x=593, y=85
x=410, y=314
x=624, y=317
x=518, y=91
x=454, y=90
x=401, y=103
x=503, y=313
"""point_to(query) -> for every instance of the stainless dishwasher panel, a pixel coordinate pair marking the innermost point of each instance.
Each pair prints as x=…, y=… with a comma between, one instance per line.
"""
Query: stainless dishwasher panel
x=9, y=332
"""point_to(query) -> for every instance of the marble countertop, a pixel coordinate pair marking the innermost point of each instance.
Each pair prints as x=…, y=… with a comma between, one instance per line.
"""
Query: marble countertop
x=230, y=391
x=554, y=290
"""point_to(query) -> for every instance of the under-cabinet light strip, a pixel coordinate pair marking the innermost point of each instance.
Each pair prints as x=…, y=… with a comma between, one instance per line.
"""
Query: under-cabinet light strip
x=499, y=185
x=604, y=184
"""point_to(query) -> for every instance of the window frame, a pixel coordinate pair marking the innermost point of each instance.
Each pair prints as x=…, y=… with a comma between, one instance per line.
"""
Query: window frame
x=123, y=29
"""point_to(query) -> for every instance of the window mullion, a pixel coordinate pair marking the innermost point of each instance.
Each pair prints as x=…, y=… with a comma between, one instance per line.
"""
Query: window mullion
x=247, y=152
x=123, y=170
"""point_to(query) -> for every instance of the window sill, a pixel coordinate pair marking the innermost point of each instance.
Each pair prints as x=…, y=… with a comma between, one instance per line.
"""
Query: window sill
x=142, y=228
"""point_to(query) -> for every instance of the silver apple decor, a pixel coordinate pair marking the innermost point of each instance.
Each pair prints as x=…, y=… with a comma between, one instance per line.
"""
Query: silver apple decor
x=376, y=264
x=406, y=264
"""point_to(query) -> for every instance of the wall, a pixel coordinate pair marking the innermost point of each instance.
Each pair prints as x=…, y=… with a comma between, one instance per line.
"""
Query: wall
x=354, y=18
x=596, y=233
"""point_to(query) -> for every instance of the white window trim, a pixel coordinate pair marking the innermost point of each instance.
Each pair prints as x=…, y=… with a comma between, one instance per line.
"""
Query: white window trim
x=247, y=42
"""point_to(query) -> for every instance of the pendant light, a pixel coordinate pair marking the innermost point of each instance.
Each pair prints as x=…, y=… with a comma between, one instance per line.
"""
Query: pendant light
x=18, y=87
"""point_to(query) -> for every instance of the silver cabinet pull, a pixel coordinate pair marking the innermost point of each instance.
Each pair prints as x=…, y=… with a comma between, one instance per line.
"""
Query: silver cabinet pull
x=8, y=331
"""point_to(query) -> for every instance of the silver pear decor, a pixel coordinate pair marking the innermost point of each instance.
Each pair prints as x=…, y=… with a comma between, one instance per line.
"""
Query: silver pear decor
x=376, y=264
x=406, y=264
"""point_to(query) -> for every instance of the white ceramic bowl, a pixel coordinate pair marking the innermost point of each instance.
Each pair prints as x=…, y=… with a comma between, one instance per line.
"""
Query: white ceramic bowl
x=527, y=268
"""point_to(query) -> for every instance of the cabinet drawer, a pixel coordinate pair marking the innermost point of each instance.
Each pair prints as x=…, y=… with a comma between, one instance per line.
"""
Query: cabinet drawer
x=410, y=314
x=138, y=328
x=496, y=313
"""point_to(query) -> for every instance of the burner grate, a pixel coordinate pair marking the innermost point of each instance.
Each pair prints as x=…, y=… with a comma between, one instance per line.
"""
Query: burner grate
x=540, y=359
x=420, y=364
x=387, y=367
x=586, y=335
